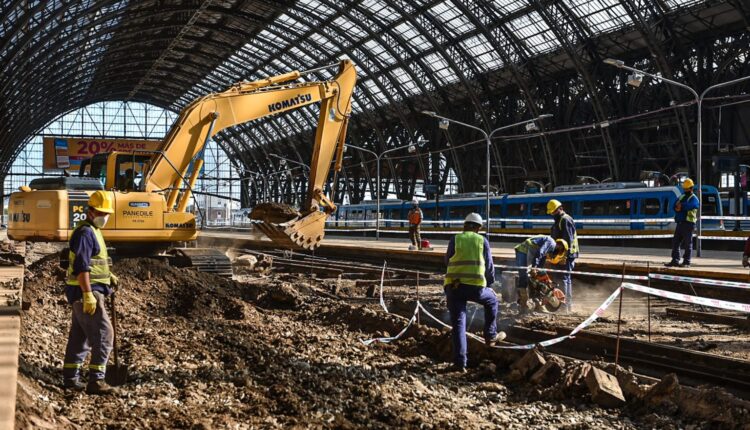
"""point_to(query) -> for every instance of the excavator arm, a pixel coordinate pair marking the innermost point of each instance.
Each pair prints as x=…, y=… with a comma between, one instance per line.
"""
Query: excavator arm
x=177, y=167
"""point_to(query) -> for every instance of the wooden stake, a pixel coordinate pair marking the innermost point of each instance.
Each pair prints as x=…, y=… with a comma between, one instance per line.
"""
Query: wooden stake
x=418, y=295
x=648, y=298
x=619, y=319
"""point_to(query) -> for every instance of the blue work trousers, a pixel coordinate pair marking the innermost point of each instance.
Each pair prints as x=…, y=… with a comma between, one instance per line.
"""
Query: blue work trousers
x=523, y=274
x=567, y=278
x=683, y=237
x=88, y=333
x=457, y=298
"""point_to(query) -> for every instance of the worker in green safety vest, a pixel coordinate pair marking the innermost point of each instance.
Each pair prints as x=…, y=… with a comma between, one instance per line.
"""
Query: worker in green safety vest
x=685, y=216
x=470, y=272
x=88, y=282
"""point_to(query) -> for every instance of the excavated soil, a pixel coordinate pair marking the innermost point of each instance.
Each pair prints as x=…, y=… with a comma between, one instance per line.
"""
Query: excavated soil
x=282, y=351
x=273, y=212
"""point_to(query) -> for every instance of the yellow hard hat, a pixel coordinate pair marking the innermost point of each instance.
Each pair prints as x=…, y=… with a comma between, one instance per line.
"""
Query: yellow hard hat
x=552, y=206
x=687, y=183
x=564, y=243
x=102, y=202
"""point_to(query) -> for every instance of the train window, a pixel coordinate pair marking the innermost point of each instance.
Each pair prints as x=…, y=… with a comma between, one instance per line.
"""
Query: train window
x=460, y=212
x=650, y=206
x=709, y=204
x=605, y=207
x=515, y=210
x=495, y=211
x=538, y=209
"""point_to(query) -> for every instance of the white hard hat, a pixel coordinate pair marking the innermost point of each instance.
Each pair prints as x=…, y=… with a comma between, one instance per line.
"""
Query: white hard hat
x=474, y=217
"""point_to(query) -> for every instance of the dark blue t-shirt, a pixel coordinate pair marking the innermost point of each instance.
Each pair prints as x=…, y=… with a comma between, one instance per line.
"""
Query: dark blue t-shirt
x=84, y=245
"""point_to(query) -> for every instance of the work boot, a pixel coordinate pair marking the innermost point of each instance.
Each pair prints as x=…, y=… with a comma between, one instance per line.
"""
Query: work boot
x=73, y=385
x=98, y=386
x=685, y=265
x=499, y=337
x=456, y=368
x=672, y=264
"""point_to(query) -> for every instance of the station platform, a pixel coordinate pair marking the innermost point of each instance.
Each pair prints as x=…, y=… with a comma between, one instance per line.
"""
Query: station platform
x=721, y=265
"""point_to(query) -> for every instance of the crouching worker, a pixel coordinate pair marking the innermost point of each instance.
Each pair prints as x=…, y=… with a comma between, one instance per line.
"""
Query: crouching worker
x=470, y=271
x=87, y=285
x=533, y=252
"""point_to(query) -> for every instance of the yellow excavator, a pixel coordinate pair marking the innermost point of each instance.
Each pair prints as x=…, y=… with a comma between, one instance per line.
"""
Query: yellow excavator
x=151, y=190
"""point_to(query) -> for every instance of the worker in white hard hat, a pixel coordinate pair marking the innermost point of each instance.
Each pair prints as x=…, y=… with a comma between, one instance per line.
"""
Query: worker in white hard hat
x=415, y=220
x=565, y=228
x=685, y=216
x=532, y=253
x=470, y=272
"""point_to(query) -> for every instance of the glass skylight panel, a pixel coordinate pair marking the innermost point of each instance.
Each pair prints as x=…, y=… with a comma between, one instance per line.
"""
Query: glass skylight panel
x=507, y=7
x=375, y=92
x=417, y=41
x=483, y=53
x=600, y=15
x=675, y=4
x=404, y=81
x=324, y=42
x=534, y=32
x=452, y=18
x=317, y=8
x=381, y=10
x=349, y=28
x=375, y=48
x=440, y=68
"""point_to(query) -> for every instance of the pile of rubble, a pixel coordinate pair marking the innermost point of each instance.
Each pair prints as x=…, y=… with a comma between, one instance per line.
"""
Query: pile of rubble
x=283, y=350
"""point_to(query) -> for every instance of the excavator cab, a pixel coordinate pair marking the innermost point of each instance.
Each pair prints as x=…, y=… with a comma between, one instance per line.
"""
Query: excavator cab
x=121, y=171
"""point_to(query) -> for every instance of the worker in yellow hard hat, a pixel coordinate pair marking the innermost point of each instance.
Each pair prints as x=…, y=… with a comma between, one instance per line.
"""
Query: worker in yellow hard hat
x=565, y=228
x=685, y=216
x=88, y=282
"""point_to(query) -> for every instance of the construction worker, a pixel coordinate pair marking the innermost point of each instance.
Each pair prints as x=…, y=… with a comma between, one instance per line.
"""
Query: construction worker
x=88, y=283
x=470, y=271
x=415, y=219
x=533, y=252
x=685, y=216
x=565, y=228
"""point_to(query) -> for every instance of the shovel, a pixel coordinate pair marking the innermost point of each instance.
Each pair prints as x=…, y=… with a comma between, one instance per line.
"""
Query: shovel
x=117, y=374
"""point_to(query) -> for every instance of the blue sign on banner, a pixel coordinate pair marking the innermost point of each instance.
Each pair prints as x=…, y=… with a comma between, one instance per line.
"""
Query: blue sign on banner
x=430, y=188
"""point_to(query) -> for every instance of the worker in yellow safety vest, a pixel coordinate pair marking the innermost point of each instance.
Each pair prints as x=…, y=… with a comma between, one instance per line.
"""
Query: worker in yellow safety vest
x=88, y=282
x=531, y=254
x=470, y=272
x=565, y=228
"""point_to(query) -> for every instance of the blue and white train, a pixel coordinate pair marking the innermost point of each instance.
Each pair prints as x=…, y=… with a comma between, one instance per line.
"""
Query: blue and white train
x=617, y=208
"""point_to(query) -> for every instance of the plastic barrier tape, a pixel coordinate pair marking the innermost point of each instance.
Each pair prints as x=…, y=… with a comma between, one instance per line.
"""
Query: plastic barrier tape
x=713, y=303
x=576, y=272
x=382, y=279
x=368, y=342
x=704, y=281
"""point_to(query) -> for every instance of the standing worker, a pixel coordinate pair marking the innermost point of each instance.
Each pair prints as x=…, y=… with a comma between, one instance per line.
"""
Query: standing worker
x=685, y=215
x=87, y=285
x=415, y=219
x=533, y=251
x=470, y=271
x=565, y=228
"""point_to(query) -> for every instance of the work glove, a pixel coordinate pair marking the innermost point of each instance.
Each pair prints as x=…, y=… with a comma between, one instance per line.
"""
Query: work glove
x=745, y=262
x=114, y=280
x=89, y=303
x=678, y=207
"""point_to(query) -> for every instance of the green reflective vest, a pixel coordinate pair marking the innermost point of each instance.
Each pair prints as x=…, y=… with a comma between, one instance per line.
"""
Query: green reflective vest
x=692, y=214
x=100, y=273
x=467, y=263
x=573, y=246
x=528, y=244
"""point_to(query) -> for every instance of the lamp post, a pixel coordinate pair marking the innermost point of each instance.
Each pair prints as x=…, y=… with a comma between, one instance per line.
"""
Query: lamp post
x=378, y=157
x=699, y=102
x=445, y=122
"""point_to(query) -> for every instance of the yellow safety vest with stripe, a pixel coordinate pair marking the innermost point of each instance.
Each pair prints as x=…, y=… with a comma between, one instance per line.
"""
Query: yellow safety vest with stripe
x=573, y=245
x=467, y=263
x=100, y=273
x=528, y=244
x=692, y=214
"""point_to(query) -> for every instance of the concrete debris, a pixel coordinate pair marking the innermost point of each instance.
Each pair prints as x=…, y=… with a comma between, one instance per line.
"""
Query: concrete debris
x=549, y=372
x=529, y=363
x=604, y=388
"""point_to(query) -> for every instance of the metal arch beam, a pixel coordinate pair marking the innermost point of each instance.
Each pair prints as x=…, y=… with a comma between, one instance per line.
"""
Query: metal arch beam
x=515, y=70
x=636, y=9
x=562, y=23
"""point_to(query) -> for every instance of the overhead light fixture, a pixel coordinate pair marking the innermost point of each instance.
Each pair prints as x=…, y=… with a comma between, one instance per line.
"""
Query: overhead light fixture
x=412, y=149
x=531, y=126
x=614, y=62
x=429, y=113
x=444, y=124
x=635, y=80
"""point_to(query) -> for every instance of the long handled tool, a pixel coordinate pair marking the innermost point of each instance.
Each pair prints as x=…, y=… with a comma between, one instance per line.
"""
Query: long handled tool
x=117, y=374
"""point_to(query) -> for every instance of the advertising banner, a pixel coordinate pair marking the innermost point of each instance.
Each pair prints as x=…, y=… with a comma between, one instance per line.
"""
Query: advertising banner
x=68, y=152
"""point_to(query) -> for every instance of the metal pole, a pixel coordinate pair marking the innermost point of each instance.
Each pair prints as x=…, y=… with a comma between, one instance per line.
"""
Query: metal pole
x=487, y=194
x=377, y=187
x=619, y=320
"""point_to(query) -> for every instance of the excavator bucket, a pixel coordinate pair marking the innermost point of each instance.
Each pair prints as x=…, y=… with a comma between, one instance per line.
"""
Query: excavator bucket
x=303, y=232
x=287, y=227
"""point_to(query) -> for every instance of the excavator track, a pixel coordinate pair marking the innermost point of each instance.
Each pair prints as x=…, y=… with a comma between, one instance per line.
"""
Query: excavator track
x=207, y=260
